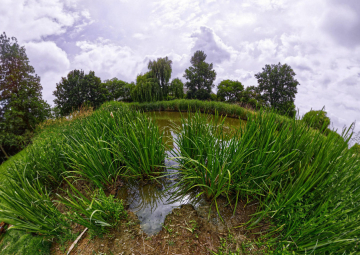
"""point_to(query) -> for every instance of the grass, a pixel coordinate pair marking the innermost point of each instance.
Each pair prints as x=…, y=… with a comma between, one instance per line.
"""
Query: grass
x=18, y=242
x=306, y=183
x=96, y=148
x=28, y=206
x=98, y=213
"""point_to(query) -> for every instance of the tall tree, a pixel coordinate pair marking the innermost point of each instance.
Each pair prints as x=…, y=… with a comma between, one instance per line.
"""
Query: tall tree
x=77, y=89
x=21, y=103
x=229, y=90
x=177, y=88
x=251, y=96
x=161, y=69
x=147, y=88
x=116, y=89
x=278, y=86
x=200, y=76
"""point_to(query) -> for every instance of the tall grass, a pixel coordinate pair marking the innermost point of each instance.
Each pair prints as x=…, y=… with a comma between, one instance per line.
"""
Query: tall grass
x=307, y=184
x=27, y=205
x=97, y=148
x=140, y=146
x=97, y=213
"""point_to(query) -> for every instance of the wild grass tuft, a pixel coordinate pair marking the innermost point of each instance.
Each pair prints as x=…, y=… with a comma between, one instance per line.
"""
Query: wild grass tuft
x=306, y=183
x=27, y=205
x=98, y=213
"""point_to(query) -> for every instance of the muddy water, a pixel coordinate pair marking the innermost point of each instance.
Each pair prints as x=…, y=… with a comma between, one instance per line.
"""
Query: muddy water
x=151, y=202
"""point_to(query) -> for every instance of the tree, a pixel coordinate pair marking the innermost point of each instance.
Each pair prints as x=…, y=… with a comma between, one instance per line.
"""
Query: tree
x=317, y=119
x=21, y=103
x=278, y=86
x=127, y=91
x=200, y=76
x=77, y=89
x=161, y=69
x=116, y=89
x=229, y=90
x=176, y=88
x=251, y=96
x=147, y=88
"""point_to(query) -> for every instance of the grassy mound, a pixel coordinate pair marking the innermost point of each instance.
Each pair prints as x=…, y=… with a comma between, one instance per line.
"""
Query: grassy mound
x=306, y=184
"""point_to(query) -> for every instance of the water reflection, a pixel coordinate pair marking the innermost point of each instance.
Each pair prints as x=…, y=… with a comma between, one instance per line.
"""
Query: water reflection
x=153, y=201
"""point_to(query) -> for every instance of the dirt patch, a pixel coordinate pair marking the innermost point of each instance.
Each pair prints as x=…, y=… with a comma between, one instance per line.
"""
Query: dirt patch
x=3, y=226
x=184, y=231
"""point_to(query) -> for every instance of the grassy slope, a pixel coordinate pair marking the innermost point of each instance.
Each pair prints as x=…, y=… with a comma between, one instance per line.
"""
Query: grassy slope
x=18, y=240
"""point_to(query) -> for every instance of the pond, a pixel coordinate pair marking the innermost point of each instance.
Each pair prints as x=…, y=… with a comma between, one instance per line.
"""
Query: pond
x=151, y=202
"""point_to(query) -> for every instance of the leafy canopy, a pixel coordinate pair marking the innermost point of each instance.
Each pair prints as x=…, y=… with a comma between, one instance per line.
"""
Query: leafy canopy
x=229, y=90
x=116, y=89
x=21, y=103
x=147, y=88
x=200, y=77
x=77, y=89
x=161, y=69
x=278, y=87
x=317, y=119
x=177, y=88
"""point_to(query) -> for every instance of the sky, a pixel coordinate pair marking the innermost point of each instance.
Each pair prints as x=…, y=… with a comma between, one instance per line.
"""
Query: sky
x=319, y=39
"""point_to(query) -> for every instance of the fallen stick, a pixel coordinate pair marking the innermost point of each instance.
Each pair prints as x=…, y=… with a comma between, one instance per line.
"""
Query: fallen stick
x=76, y=241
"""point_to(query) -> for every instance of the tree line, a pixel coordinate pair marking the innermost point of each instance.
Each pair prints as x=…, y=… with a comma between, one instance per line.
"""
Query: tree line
x=22, y=106
x=277, y=87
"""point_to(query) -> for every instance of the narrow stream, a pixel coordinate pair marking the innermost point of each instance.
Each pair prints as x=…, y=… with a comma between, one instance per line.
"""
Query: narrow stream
x=152, y=202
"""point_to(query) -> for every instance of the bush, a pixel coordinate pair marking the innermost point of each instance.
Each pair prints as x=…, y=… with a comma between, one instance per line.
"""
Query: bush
x=317, y=120
x=355, y=149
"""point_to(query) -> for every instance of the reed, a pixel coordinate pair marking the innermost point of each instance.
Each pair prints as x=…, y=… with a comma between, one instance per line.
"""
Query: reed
x=140, y=145
x=306, y=183
x=27, y=205
x=98, y=213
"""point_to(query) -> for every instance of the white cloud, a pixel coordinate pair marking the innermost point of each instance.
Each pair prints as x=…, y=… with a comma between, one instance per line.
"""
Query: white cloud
x=318, y=39
x=50, y=63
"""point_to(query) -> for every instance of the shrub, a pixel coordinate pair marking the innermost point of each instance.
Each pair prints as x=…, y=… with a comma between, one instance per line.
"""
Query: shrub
x=317, y=120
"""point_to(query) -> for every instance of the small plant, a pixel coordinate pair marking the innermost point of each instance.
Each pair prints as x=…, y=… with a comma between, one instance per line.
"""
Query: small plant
x=192, y=227
x=97, y=213
x=171, y=243
x=168, y=229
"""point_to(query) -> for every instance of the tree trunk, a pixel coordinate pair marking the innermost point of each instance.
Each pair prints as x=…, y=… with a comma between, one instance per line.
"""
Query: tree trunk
x=7, y=157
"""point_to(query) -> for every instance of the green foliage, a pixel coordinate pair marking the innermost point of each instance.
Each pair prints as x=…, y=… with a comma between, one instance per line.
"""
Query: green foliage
x=278, y=85
x=229, y=90
x=161, y=69
x=78, y=89
x=231, y=110
x=97, y=213
x=200, y=77
x=21, y=104
x=207, y=154
x=317, y=119
x=18, y=242
x=139, y=142
x=251, y=96
x=213, y=97
x=355, y=149
x=27, y=205
x=176, y=88
x=301, y=178
x=147, y=88
x=116, y=89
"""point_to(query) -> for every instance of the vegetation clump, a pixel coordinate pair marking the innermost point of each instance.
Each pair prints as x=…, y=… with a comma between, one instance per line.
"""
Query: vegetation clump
x=317, y=119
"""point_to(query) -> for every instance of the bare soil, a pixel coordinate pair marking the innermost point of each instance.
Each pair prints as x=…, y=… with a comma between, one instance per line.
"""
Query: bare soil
x=185, y=231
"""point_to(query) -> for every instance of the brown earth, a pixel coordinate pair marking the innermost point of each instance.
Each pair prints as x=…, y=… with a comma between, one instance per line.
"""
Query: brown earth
x=185, y=231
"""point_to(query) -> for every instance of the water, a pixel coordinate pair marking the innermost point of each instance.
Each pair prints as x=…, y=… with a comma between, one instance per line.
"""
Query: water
x=151, y=202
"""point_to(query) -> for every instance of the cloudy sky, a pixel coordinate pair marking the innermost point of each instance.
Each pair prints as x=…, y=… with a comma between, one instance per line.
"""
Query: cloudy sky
x=319, y=39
